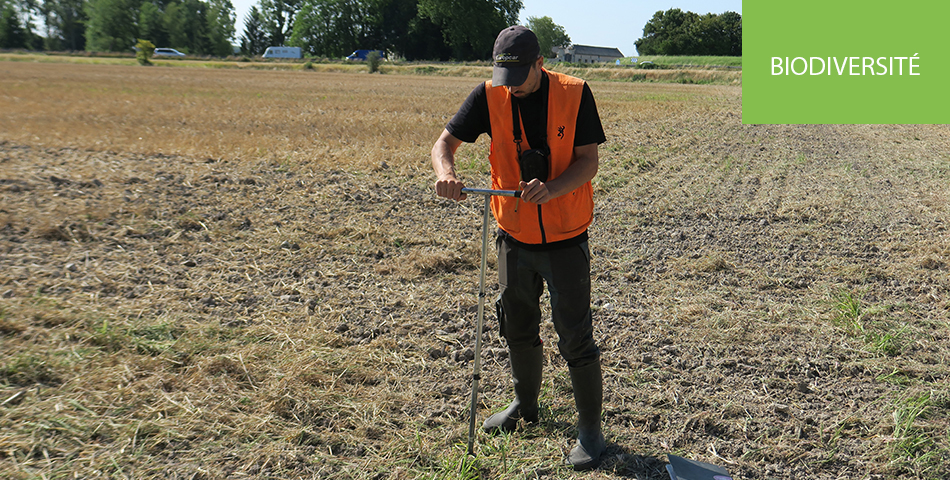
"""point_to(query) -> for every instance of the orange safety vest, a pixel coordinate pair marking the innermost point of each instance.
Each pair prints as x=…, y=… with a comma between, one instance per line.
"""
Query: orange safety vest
x=564, y=217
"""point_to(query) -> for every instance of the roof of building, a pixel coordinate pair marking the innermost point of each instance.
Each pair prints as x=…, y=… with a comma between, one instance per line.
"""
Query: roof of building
x=601, y=51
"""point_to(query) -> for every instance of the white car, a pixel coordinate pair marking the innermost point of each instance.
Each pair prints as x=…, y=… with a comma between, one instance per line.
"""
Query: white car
x=167, y=52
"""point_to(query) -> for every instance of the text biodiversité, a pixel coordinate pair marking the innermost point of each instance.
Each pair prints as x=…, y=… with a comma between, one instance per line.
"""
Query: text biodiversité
x=846, y=66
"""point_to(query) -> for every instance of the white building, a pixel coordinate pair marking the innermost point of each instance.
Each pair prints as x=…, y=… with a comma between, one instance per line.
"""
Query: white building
x=587, y=54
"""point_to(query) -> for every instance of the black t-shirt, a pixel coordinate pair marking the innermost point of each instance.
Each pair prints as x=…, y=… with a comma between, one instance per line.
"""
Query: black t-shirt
x=472, y=118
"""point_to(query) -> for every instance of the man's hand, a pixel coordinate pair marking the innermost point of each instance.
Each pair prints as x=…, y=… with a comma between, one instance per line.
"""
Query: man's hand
x=447, y=186
x=443, y=162
x=581, y=171
x=535, y=191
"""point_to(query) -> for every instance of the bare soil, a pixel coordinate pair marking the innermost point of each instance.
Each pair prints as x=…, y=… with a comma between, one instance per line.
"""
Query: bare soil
x=772, y=299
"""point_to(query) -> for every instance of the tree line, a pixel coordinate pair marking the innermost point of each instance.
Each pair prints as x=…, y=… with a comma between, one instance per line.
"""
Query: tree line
x=675, y=32
x=199, y=27
x=411, y=29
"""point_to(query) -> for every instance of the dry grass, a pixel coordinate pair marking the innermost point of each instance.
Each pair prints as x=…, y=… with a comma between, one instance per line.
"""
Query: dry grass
x=477, y=70
x=285, y=117
x=245, y=274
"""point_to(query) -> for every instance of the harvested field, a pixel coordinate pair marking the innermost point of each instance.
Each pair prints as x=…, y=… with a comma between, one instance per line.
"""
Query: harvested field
x=246, y=274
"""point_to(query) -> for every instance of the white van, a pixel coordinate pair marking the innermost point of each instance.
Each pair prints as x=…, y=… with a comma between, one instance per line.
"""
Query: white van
x=282, y=52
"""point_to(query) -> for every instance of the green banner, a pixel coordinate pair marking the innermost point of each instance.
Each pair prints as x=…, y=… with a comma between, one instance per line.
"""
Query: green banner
x=845, y=62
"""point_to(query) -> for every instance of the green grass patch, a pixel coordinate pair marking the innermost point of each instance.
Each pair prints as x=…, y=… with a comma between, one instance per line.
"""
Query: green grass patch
x=916, y=445
x=29, y=368
x=670, y=61
x=870, y=324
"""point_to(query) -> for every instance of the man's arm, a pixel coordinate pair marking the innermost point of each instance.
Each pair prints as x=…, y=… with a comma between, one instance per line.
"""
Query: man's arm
x=443, y=162
x=583, y=170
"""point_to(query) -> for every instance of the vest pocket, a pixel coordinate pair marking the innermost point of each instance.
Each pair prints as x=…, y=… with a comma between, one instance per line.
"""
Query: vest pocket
x=575, y=209
x=508, y=218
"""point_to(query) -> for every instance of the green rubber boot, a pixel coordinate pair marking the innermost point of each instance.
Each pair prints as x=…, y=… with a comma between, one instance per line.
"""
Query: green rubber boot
x=526, y=375
x=589, y=397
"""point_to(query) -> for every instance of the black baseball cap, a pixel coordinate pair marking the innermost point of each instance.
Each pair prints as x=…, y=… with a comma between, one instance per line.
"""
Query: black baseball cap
x=516, y=50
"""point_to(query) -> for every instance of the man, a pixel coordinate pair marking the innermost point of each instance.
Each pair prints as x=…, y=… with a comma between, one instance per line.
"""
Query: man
x=542, y=235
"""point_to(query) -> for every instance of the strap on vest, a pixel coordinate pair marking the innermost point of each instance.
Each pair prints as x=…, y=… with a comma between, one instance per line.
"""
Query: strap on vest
x=516, y=121
x=516, y=117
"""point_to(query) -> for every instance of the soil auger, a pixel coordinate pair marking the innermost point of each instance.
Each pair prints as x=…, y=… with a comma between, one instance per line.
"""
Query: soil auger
x=480, y=321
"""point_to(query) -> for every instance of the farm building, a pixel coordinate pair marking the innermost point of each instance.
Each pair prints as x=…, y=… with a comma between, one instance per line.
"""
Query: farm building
x=587, y=54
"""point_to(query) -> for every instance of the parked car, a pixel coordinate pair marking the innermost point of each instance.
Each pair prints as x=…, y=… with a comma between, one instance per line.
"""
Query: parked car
x=282, y=52
x=167, y=52
x=361, y=54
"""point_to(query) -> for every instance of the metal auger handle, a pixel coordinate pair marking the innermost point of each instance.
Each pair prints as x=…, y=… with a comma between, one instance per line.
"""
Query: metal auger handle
x=492, y=193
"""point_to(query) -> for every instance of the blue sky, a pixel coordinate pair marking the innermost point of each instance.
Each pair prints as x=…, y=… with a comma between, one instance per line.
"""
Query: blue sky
x=602, y=23
x=614, y=23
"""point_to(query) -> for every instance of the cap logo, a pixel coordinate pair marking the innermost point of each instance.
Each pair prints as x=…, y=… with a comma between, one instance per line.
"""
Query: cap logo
x=506, y=58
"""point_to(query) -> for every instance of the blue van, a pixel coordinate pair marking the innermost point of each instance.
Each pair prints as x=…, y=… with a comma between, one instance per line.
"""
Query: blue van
x=361, y=54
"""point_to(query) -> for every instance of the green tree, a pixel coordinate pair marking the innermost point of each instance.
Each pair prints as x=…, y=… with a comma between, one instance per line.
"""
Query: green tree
x=12, y=33
x=65, y=24
x=318, y=29
x=424, y=41
x=718, y=34
x=152, y=24
x=30, y=11
x=111, y=26
x=398, y=27
x=17, y=17
x=550, y=34
x=200, y=28
x=279, y=19
x=195, y=27
x=221, y=27
x=732, y=29
x=173, y=21
x=334, y=28
x=373, y=59
x=254, y=40
x=667, y=33
x=143, y=52
x=675, y=32
x=337, y=27
x=470, y=27
x=413, y=29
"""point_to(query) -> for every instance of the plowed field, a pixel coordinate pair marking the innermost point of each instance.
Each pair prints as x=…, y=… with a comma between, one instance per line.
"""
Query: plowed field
x=229, y=274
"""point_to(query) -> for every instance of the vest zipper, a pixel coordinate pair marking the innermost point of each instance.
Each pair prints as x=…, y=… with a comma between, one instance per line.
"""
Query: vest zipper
x=541, y=226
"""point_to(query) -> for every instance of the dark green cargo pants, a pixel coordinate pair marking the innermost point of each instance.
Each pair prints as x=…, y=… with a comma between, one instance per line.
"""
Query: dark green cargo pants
x=566, y=271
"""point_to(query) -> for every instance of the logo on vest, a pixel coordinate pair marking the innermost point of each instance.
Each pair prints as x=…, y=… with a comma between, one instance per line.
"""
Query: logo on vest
x=560, y=132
